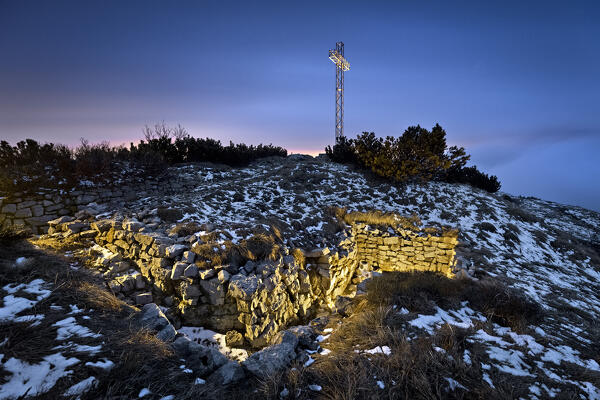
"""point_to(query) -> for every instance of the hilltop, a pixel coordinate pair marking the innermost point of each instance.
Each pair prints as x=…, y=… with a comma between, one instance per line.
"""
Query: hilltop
x=516, y=319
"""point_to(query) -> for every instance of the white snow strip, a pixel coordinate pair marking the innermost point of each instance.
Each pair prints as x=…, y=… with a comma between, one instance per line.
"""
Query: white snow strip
x=380, y=350
x=81, y=387
x=104, y=364
x=34, y=379
x=68, y=327
x=213, y=339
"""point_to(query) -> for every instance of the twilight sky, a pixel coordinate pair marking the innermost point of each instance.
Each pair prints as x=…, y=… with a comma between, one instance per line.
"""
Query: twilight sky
x=516, y=83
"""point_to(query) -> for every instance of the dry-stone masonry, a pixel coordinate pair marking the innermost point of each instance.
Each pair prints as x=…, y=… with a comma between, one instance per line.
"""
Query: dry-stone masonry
x=34, y=210
x=256, y=300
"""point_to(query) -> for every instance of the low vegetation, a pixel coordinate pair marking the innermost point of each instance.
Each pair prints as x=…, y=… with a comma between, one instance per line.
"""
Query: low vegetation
x=140, y=359
x=31, y=165
x=417, y=155
x=420, y=368
x=13, y=233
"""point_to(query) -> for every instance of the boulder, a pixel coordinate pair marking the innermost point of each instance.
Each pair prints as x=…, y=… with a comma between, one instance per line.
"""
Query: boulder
x=272, y=359
x=342, y=305
x=207, y=273
x=61, y=220
x=188, y=257
x=120, y=266
x=223, y=276
x=203, y=360
x=285, y=337
x=167, y=334
x=304, y=333
x=75, y=227
x=189, y=290
x=315, y=253
x=139, y=281
x=132, y=225
x=9, y=209
x=152, y=318
x=230, y=372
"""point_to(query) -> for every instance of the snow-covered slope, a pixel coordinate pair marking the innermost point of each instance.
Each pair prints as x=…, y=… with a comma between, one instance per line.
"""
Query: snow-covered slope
x=547, y=250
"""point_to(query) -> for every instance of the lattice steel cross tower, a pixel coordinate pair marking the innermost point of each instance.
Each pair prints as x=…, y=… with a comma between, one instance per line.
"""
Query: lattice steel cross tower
x=341, y=65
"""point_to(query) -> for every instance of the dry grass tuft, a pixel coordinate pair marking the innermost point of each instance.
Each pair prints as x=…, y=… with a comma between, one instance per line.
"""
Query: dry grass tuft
x=261, y=247
x=185, y=229
x=420, y=292
x=385, y=219
x=141, y=343
x=99, y=297
x=299, y=257
x=413, y=369
x=13, y=233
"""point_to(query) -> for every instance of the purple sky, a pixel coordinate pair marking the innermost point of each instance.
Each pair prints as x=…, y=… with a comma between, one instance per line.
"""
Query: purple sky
x=516, y=83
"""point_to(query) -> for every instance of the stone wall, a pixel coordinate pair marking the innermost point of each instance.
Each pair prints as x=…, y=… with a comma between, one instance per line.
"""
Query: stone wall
x=257, y=299
x=34, y=210
x=406, y=250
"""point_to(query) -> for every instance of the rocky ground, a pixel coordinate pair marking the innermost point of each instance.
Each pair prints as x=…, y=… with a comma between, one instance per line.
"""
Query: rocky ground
x=545, y=251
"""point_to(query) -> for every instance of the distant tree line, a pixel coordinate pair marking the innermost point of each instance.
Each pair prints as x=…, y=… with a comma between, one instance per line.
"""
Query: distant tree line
x=417, y=155
x=29, y=164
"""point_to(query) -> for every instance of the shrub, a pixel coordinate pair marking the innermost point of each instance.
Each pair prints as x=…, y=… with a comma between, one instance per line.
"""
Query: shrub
x=343, y=151
x=473, y=177
x=419, y=154
x=30, y=165
x=13, y=233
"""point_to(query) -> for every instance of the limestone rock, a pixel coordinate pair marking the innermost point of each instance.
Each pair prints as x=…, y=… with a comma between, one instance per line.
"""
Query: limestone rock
x=167, y=333
x=152, y=317
x=175, y=250
x=188, y=257
x=9, y=209
x=315, y=253
x=243, y=287
x=207, y=273
x=191, y=271
x=213, y=289
x=223, y=276
x=60, y=221
x=75, y=227
x=304, y=333
x=201, y=359
x=286, y=336
x=230, y=372
x=178, y=270
x=143, y=298
x=132, y=225
x=234, y=339
x=271, y=359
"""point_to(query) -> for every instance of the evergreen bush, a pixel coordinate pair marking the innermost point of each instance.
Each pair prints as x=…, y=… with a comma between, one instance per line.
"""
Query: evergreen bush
x=417, y=155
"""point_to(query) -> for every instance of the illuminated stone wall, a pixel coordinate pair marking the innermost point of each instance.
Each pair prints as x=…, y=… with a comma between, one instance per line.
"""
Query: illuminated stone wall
x=257, y=299
x=406, y=250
